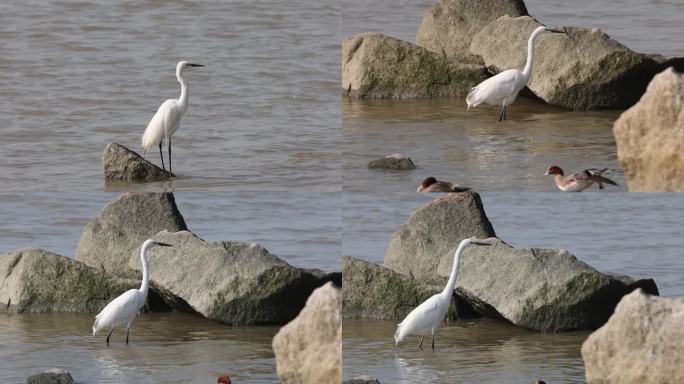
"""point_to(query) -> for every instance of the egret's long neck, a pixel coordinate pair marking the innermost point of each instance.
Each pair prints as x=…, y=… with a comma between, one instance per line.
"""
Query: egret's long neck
x=183, y=99
x=146, y=273
x=449, y=289
x=527, y=71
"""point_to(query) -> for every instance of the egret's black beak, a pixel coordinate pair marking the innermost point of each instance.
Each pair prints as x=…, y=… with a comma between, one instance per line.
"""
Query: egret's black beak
x=556, y=30
x=480, y=242
x=163, y=244
x=195, y=65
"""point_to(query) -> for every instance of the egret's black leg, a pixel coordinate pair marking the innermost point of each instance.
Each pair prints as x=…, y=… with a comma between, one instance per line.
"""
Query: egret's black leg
x=110, y=333
x=170, y=156
x=421, y=343
x=128, y=330
x=505, y=111
x=433, y=342
x=161, y=155
x=501, y=116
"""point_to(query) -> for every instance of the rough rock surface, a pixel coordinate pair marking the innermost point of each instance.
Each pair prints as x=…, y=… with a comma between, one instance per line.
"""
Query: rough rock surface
x=650, y=137
x=122, y=164
x=583, y=69
x=309, y=348
x=34, y=280
x=363, y=379
x=417, y=247
x=539, y=289
x=109, y=240
x=51, y=376
x=395, y=161
x=641, y=343
x=374, y=292
x=378, y=66
x=448, y=26
x=231, y=282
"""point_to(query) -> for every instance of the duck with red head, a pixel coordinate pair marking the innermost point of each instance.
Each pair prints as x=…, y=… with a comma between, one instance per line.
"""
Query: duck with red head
x=433, y=185
x=578, y=181
x=224, y=379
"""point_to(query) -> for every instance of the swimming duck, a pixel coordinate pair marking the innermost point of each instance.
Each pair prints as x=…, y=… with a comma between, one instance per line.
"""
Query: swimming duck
x=579, y=181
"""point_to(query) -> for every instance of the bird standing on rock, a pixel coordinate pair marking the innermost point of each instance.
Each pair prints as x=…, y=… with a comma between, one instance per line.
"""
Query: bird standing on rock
x=166, y=121
x=503, y=88
x=433, y=185
x=579, y=181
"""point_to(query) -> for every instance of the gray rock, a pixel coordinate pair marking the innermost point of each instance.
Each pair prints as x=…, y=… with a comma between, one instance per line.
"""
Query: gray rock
x=417, y=247
x=231, y=282
x=641, y=343
x=374, y=292
x=363, y=379
x=35, y=280
x=651, y=159
x=378, y=66
x=539, y=289
x=583, y=69
x=309, y=348
x=51, y=376
x=111, y=238
x=395, y=161
x=448, y=26
x=122, y=164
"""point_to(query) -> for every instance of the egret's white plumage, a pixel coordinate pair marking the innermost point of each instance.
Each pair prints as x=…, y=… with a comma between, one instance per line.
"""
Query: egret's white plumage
x=427, y=317
x=503, y=88
x=123, y=309
x=166, y=121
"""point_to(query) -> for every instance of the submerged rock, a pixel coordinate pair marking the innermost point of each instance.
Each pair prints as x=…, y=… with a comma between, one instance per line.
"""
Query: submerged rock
x=231, y=282
x=538, y=289
x=111, y=238
x=641, y=343
x=448, y=26
x=395, y=161
x=122, y=164
x=51, y=376
x=35, y=280
x=417, y=247
x=649, y=137
x=309, y=348
x=378, y=66
x=582, y=69
x=372, y=291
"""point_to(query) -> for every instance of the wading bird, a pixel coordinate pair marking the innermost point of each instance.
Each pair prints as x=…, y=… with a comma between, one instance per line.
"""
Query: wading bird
x=579, y=181
x=428, y=316
x=503, y=88
x=122, y=310
x=166, y=121
x=433, y=185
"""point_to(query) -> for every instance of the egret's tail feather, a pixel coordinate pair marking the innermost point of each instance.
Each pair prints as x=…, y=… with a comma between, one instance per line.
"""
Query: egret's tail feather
x=96, y=325
x=398, y=335
x=470, y=99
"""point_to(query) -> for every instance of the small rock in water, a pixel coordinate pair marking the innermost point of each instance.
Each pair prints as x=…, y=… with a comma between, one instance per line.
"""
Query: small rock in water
x=51, y=376
x=122, y=164
x=363, y=379
x=394, y=161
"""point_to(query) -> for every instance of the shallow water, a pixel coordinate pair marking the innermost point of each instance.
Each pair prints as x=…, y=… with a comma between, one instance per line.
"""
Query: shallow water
x=163, y=347
x=264, y=113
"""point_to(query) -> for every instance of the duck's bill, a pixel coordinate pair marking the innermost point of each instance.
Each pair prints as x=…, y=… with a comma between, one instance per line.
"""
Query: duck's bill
x=546, y=173
x=195, y=65
x=163, y=244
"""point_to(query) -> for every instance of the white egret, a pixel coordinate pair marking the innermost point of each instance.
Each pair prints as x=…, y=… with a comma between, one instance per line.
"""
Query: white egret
x=578, y=181
x=122, y=310
x=433, y=185
x=503, y=88
x=166, y=121
x=428, y=316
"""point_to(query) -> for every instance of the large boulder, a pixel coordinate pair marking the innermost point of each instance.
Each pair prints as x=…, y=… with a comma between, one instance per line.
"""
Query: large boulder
x=122, y=164
x=581, y=69
x=417, y=247
x=378, y=66
x=448, y=26
x=231, y=282
x=641, y=343
x=51, y=376
x=538, y=289
x=375, y=292
x=109, y=240
x=34, y=280
x=309, y=348
x=649, y=137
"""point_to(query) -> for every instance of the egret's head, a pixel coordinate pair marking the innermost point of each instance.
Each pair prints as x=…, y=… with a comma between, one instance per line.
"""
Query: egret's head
x=184, y=64
x=554, y=170
x=555, y=30
x=476, y=241
x=426, y=183
x=149, y=242
x=162, y=244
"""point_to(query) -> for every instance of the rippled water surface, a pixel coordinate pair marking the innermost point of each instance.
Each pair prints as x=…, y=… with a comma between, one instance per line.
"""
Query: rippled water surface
x=264, y=113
